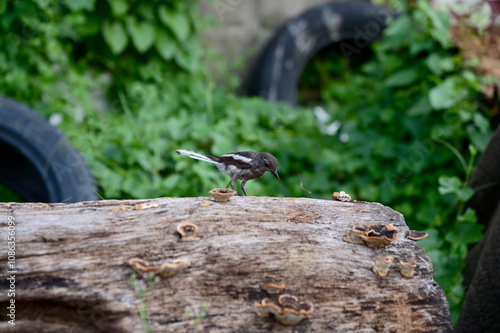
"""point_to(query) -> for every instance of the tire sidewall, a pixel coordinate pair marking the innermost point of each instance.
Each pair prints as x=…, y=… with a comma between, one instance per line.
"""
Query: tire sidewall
x=62, y=168
x=276, y=73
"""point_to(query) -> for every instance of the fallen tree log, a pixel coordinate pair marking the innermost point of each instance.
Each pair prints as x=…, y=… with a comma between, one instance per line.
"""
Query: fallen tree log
x=72, y=274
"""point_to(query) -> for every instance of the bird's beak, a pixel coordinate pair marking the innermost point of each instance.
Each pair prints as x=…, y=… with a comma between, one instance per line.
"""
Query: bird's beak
x=276, y=174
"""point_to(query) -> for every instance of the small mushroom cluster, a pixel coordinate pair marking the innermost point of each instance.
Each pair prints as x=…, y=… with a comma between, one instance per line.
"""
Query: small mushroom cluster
x=374, y=235
x=378, y=236
x=341, y=196
x=382, y=265
x=288, y=311
x=143, y=268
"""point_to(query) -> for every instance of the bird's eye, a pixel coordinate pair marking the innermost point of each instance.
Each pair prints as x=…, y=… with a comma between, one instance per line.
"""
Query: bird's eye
x=266, y=164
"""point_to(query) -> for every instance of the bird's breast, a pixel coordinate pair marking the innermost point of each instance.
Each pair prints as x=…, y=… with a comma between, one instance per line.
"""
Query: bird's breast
x=244, y=174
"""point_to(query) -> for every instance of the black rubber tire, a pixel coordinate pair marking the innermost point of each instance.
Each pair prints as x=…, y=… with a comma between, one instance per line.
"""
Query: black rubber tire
x=276, y=72
x=38, y=162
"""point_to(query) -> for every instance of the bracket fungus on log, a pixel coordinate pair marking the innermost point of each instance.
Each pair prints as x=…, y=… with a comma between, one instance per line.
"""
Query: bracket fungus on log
x=374, y=235
x=417, y=235
x=188, y=232
x=143, y=268
x=382, y=265
x=272, y=288
x=222, y=194
x=288, y=312
x=341, y=196
x=407, y=269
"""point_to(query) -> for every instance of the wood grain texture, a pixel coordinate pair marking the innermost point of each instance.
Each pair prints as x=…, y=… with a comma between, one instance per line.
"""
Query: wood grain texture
x=72, y=266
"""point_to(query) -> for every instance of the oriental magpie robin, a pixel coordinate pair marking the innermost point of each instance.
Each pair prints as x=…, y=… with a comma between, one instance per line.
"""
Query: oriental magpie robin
x=244, y=165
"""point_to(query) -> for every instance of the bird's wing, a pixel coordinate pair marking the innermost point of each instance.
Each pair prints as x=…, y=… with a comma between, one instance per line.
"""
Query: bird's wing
x=240, y=160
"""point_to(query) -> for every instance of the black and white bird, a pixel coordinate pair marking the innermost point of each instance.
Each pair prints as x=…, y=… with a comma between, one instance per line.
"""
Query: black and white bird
x=245, y=165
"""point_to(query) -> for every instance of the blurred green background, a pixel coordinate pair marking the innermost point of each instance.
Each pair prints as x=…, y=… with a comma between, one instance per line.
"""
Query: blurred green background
x=128, y=83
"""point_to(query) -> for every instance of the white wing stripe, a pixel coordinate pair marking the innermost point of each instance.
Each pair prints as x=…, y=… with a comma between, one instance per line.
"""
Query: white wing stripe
x=239, y=157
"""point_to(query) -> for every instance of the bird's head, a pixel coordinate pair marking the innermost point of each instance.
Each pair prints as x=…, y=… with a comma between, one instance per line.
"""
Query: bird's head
x=270, y=163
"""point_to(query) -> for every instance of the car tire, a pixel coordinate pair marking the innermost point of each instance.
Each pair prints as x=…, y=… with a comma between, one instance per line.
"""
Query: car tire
x=38, y=162
x=275, y=73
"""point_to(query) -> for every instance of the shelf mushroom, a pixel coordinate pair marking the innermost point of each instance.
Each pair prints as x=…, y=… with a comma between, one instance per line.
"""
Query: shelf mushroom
x=373, y=235
x=143, y=268
x=289, y=311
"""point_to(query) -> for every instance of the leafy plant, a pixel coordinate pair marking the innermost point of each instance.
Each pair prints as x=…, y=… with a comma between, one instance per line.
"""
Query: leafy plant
x=142, y=289
x=60, y=56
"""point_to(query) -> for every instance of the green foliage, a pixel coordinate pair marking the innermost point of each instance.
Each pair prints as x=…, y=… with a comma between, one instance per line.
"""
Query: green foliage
x=403, y=122
x=57, y=55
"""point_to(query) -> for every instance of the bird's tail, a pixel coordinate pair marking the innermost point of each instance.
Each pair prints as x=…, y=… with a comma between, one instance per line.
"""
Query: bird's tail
x=198, y=156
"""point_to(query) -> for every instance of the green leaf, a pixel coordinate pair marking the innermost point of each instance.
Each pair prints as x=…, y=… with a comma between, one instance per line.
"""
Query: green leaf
x=449, y=184
x=396, y=34
x=418, y=46
x=469, y=216
x=55, y=51
x=77, y=5
x=41, y=3
x=464, y=194
x=146, y=10
x=422, y=107
x=470, y=76
x=118, y=7
x=221, y=144
x=142, y=33
x=402, y=78
x=187, y=61
x=447, y=94
x=165, y=45
x=465, y=233
x=88, y=28
x=175, y=21
x=171, y=181
x=481, y=122
x=115, y=36
x=439, y=65
x=478, y=138
x=440, y=22
x=433, y=240
x=441, y=31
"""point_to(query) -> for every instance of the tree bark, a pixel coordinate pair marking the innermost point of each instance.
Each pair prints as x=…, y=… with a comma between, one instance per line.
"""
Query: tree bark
x=481, y=307
x=71, y=271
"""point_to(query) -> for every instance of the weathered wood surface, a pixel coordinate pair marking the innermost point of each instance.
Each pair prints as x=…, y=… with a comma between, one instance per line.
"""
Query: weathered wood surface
x=72, y=267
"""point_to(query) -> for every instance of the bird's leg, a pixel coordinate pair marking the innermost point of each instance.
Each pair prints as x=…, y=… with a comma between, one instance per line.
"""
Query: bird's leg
x=232, y=185
x=243, y=183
